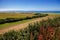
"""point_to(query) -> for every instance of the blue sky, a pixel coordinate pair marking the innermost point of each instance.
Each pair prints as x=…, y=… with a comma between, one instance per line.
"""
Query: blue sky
x=30, y=5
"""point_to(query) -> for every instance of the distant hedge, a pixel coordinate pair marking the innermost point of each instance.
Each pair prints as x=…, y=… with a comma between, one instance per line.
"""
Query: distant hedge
x=8, y=20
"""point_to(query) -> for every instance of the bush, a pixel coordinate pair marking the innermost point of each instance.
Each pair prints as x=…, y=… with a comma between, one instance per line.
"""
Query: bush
x=2, y=21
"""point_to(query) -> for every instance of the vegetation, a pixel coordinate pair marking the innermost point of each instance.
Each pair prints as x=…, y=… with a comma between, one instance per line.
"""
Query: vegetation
x=14, y=23
x=44, y=30
x=14, y=15
x=40, y=14
x=8, y=20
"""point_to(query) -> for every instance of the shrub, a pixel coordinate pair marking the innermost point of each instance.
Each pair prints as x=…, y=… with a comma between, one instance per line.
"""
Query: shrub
x=2, y=21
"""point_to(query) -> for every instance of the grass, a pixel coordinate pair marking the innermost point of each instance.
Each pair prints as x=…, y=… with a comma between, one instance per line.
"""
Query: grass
x=14, y=15
x=18, y=15
x=14, y=23
x=4, y=15
x=54, y=15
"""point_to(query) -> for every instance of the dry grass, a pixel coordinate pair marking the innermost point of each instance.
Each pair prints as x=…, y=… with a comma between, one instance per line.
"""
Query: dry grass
x=54, y=15
x=14, y=15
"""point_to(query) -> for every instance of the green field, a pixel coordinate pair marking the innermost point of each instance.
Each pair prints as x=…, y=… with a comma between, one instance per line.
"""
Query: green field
x=14, y=23
x=15, y=15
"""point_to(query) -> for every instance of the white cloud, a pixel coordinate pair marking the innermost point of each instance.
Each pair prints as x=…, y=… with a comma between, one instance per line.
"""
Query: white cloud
x=29, y=9
x=10, y=9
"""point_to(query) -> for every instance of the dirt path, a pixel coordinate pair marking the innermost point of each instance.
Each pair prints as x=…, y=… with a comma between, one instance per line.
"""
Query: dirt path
x=21, y=26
